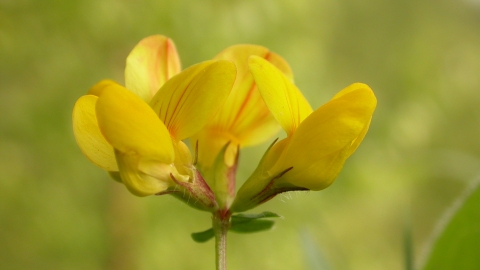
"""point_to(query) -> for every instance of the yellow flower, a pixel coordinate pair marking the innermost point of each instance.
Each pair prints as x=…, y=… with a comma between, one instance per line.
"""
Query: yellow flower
x=244, y=119
x=137, y=131
x=317, y=143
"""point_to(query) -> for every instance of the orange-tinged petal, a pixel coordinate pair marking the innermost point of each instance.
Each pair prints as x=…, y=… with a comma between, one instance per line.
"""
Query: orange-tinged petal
x=88, y=135
x=151, y=63
x=240, y=53
x=322, y=143
x=131, y=126
x=282, y=97
x=189, y=100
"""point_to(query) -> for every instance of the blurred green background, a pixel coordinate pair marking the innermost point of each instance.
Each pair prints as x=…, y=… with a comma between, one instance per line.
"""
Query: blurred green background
x=422, y=59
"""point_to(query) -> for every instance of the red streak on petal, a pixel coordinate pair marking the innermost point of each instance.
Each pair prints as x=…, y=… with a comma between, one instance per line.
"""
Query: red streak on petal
x=186, y=93
x=242, y=107
x=248, y=99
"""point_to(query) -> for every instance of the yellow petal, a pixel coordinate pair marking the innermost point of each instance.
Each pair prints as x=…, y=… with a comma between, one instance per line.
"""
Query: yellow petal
x=88, y=135
x=151, y=63
x=351, y=88
x=189, y=100
x=322, y=143
x=210, y=142
x=183, y=158
x=137, y=181
x=260, y=178
x=274, y=153
x=244, y=119
x=99, y=87
x=244, y=114
x=282, y=97
x=131, y=126
x=358, y=140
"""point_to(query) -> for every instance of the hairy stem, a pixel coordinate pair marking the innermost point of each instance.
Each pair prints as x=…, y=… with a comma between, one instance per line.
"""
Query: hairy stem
x=221, y=224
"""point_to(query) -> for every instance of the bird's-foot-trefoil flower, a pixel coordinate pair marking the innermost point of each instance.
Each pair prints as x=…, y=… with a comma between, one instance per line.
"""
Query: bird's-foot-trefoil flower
x=317, y=143
x=240, y=98
x=136, y=135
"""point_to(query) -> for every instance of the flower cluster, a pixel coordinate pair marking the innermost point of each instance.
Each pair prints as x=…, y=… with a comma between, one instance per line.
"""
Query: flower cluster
x=240, y=98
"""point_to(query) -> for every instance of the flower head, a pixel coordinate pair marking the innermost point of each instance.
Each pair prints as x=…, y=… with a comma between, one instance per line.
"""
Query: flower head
x=240, y=98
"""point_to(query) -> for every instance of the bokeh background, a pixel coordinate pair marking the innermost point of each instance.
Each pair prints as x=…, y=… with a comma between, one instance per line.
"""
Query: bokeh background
x=422, y=59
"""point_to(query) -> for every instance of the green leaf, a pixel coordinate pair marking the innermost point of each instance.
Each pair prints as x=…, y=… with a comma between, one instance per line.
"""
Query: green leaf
x=202, y=237
x=241, y=223
x=458, y=244
x=266, y=214
x=252, y=225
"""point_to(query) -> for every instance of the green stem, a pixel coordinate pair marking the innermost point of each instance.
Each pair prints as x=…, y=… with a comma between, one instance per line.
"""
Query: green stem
x=221, y=224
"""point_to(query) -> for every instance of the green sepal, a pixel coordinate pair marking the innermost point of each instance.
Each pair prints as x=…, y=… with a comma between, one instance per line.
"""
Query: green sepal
x=202, y=237
x=250, y=223
x=222, y=179
x=196, y=193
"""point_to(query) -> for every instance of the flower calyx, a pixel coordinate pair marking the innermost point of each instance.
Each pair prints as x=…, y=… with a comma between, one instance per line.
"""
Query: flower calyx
x=195, y=193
